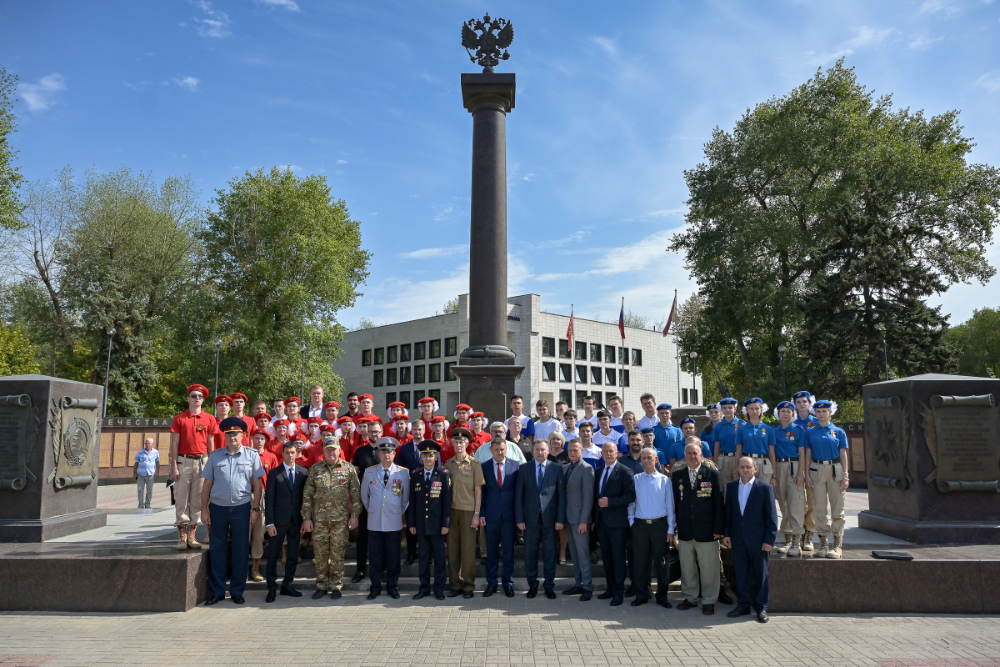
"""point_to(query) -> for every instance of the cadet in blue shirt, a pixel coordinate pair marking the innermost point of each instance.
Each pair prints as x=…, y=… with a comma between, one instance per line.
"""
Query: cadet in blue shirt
x=665, y=432
x=675, y=457
x=724, y=445
x=826, y=456
x=789, y=452
x=803, y=401
x=714, y=413
x=755, y=439
x=649, y=440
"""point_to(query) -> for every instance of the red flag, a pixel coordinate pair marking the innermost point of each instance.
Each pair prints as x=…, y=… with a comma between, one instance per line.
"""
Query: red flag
x=569, y=331
x=670, y=320
x=621, y=319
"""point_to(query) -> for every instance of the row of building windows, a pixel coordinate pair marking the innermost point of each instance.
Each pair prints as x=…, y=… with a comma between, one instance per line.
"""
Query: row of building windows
x=406, y=396
x=415, y=374
x=580, y=350
x=611, y=377
x=402, y=353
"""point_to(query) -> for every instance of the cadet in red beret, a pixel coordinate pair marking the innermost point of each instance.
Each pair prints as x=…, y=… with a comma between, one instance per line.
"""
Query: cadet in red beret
x=331, y=410
x=295, y=420
x=190, y=434
x=223, y=404
x=396, y=409
x=440, y=436
x=277, y=444
x=348, y=437
x=239, y=410
x=462, y=413
x=428, y=406
x=480, y=435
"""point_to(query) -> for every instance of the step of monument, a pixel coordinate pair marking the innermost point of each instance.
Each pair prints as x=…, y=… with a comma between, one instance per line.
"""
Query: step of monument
x=413, y=584
x=308, y=569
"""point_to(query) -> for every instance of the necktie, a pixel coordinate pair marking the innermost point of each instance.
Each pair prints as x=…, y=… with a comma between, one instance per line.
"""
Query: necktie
x=291, y=478
x=500, y=475
x=569, y=471
x=605, y=478
x=541, y=473
x=385, y=478
x=427, y=476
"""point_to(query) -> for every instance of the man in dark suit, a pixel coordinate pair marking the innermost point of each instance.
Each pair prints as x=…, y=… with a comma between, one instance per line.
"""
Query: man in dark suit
x=429, y=517
x=751, y=526
x=540, y=511
x=614, y=491
x=283, y=516
x=701, y=520
x=497, y=514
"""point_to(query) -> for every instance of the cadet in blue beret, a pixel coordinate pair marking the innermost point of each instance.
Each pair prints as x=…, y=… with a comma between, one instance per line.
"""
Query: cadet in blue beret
x=714, y=413
x=724, y=445
x=803, y=401
x=789, y=452
x=755, y=439
x=826, y=456
x=665, y=433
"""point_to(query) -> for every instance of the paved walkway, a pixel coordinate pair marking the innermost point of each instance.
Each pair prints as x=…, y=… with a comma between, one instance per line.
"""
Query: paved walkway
x=354, y=632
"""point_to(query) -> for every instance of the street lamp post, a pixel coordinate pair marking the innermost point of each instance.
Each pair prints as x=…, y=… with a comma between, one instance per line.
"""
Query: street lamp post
x=694, y=374
x=885, y=356
x=302, y=348
x=107, y=373
x=218, y=347
x=782, y=349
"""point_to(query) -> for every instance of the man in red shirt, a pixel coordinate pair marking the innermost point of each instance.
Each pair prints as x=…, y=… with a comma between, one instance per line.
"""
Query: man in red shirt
x=277, y=443
x=239, y=405
x=295, y=420
x=462, y=412
x=366, y=403
x=479, y=433
x=348, y=437
x=428, y=406
x=262, y=423
x=268, y=462
x=331, y=410
x=222, y=407
x=190, y=434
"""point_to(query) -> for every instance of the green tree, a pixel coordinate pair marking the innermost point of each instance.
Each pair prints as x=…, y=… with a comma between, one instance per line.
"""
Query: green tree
x=977, y=342
x=10, y=177
x=17, y=354
x=282, y=257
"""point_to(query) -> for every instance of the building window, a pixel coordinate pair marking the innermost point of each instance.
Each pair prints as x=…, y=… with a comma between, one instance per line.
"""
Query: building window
x=624, y=377
x=390, y=377
x=549, y=370
x=377, y=380
x=595, y=352
x=684, y=396
x=623, y=356
x=694, y=397
x=390, y=397
x=581, y=350
x=404, y=375
x=636, y=357
x=566, y=396
x=435, y=394
x=450, y=347
x=417, y=395
x=581, y=374
x=435, y=349
x=448, y=375
x=419, y=374
x=404, y=352
x=404, y=398
x=609, y=377
x=598, y=399
x=419, y=350
x=379, y=356
x=565, y=373
x=595, y=375
x=390, y=355
x=563, y=348
x=435, y=372
x=548, y=347
x=366, y=357
x=609, y=354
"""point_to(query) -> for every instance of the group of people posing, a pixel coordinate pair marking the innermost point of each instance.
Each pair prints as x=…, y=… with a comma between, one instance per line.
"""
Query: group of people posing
x=602, y=481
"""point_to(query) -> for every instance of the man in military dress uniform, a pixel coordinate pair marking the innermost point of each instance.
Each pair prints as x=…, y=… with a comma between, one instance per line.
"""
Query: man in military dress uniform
x=429, y=517
x=385, y=493
x=331, y=505
x=466, y=501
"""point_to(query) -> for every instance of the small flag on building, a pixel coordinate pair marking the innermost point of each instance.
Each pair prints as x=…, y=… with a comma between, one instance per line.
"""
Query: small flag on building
x=569, y=331
x=673, y=312
x=621, y=319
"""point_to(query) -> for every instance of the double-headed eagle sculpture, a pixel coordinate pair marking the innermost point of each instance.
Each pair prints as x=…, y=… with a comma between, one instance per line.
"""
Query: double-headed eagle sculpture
x=488, y=45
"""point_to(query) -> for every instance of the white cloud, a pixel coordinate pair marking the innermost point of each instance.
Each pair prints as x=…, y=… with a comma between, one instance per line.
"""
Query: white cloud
x=528, y=177
x=290, y=5
x=427, y=253
x=623, y=259
x=40, y=96
x=188, y=82
x=341, y=161
x=216, y=23
x=935, y=6
x=923, y=42
x=442, y=211
x=865, y=36
x=990, y=81
x=293, y=167
x=607, y=45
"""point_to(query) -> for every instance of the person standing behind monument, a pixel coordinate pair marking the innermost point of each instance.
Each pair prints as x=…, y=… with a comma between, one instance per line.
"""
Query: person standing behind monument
x=579, y=482
x=614, y=491
x=479, y=432
x=147, y=464
x=429, y=517
x=724, y=446
x=385, y=493
x=191, y=433
x=539, y=511
x=751, y=524
x=283, y=512
x=826, y=457
x=701, y=523
x=498, y=432
x=230, y=504
x=527, y=429
x=789, y=452
x=467, y=481
x=805, y=419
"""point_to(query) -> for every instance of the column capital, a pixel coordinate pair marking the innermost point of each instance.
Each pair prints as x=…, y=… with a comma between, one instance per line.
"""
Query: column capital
x=488, y=88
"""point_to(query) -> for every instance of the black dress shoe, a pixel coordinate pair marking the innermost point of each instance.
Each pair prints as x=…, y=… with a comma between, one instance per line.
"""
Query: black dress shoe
x=318, y=594
x=686, y=604
x=468, y=595
x=439, y=596
x=762, y=616
x=358, y=576
x=616, y=602
x=736, y=613
x=576, y=590
x=606, y=595
x=532, y=592
x=410, y=560
x=508, y=591
x=550, y=594
x=664, y=603
x=708, y=609
x=630, y=592
x=291, y=592
x=394, y=593
x=421, y=595
x=638, y=602
x=454, y=593
x=723, y=597
x=335, y=594
x=585, y=596
x=490, y=590
x=214, y=599
x=372, y=595
x=238, y=599
x=271, y=595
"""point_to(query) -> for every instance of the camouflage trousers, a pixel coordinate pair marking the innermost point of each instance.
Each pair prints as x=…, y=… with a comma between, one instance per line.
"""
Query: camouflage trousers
x=329, y=546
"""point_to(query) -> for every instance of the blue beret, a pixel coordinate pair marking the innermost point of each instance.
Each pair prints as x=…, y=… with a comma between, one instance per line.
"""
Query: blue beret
x=728, y=401
x=664, y=406
x=713, y=406
x=822, y=404
x=785, y=404
x=750, y=401
x=688, y=420
x=647, y=430
x=801, y=394
x=233, y=425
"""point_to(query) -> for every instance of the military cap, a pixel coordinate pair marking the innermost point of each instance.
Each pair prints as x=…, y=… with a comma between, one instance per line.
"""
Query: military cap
x=801, y=394
x=688, y=420
x=239, y=395
x=429, y=447
x=664, y=406
x=198, y=387
x=224, y=399
x=387, y=444
x=728, y=401
x=832, y=405
x=647, y=430
x=713, y=406
x=461, y=433
x=782, y=405
x=330, y=443
x=233, y=425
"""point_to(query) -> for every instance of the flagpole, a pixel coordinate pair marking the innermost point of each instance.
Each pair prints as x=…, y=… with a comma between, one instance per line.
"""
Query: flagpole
x=572, y=357
x=621, y=356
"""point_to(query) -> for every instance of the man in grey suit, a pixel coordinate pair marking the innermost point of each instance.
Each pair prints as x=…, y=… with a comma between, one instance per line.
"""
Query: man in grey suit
x=385, y=493
x=578, y=478
x=539, y=511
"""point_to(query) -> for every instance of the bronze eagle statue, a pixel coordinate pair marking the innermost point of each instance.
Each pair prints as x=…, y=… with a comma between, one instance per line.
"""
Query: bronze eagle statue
x=488, y=45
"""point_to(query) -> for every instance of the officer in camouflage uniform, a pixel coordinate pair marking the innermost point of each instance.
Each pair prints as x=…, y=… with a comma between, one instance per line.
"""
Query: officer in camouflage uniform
x=331, y=505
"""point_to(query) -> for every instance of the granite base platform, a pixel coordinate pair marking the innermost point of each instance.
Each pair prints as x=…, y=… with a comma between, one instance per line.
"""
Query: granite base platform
x=50, y=528
x=101, y=577
x=932, y=532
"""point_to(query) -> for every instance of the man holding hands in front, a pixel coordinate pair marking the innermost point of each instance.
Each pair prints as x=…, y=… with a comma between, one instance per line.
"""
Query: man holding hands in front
x=614, y=490
x=751, y=525
x=539, y=510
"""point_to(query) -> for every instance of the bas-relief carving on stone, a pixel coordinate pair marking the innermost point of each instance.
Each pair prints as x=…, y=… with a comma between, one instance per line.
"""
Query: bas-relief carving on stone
x=74, y=432
x=18, y=431
x=963, y=437
x=887, y=429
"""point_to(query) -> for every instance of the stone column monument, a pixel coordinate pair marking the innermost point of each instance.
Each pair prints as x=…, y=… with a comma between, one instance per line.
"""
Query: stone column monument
x=49, y=454
x=487, y=368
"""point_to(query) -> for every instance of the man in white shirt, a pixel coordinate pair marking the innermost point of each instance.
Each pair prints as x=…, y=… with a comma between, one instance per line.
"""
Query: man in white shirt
x=315, y=407
x=545, y=425
x=617, y=408
x=591, y=452
x=569, y=429
x=605, y=433
x=653, y=524
x=588, y=411
x=649, y=419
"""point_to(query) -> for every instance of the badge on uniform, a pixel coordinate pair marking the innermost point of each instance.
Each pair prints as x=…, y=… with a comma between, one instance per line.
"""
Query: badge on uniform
x=397, y=487
x=435, y=489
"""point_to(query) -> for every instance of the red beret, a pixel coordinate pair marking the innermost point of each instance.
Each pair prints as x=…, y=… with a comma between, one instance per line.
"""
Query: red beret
x=328, y=427
x=239, y=395
x=280, y=422
x=476, y=414
x=463, y=406
x=223, y=399
x=438, y=420
x=198, y=387
x=364, y=396
x=263, y=415
x=301, y=436
x=363, y=420
x=397, y=404
x=401, y=417
x=331, y=404
x=314, y=420
x=345, y=419
x=293, y=398
x=427, y=399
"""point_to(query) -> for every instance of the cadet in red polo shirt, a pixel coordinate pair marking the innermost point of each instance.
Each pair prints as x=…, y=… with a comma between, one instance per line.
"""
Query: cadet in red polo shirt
x=428, y=406
x=295, y=420
x=277, y=443
x=222, y=406
x=190, y=434
x=462, y=414
x=331, y=412
x=349, y=438
x=440, y=436
x=396, y=409
x=239, y=407
x=480, y=435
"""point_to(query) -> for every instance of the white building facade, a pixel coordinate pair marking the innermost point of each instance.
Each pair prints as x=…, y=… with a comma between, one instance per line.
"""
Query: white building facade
x=407, y=361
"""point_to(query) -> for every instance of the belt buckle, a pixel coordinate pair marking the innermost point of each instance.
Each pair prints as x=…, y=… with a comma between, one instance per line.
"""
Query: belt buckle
x=648, y=520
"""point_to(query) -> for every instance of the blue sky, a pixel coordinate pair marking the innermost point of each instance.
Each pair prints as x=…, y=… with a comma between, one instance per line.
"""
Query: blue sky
x=614, y=100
